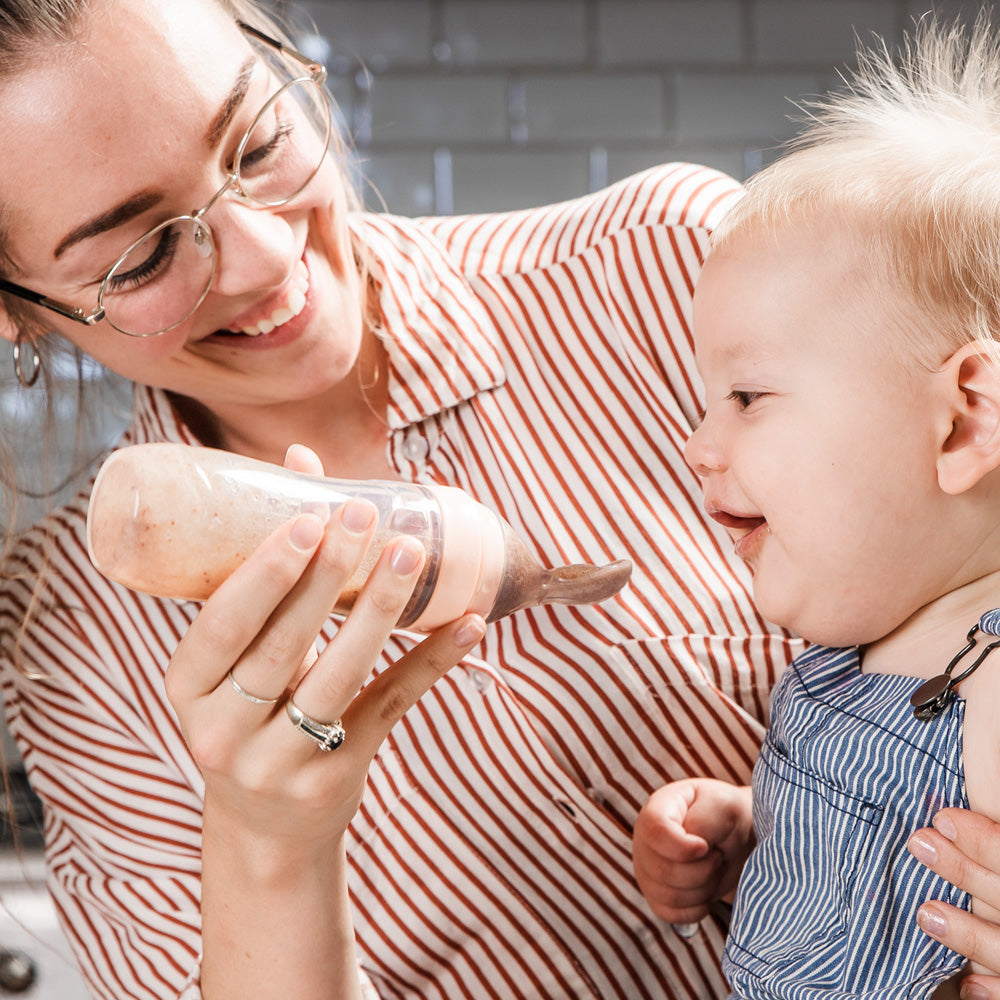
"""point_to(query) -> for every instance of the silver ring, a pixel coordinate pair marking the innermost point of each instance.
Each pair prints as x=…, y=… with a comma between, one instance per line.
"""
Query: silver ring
x=243, y=693
x=327, y=736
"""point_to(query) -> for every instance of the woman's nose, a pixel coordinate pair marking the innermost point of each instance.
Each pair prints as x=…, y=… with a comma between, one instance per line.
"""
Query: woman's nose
x=255, y=248
x=701, y=452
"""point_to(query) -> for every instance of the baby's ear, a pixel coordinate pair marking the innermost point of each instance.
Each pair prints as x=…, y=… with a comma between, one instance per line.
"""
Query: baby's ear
x=971, y=447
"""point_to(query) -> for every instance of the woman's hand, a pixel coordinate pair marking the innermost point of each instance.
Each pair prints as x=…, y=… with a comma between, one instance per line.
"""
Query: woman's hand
x=277, y=805
x=689, y=845
x=964, y=848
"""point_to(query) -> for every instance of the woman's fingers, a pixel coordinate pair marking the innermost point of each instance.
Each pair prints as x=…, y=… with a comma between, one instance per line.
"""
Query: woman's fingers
x=390, y=695
x=272, y=659
x=980, y=988
x=299, y=458
x=239, y=609
x=975, y=938
x=333, y=681
x=964, y=848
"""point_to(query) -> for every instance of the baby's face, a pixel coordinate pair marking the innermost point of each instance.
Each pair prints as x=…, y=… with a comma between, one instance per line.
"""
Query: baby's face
x=816, y=451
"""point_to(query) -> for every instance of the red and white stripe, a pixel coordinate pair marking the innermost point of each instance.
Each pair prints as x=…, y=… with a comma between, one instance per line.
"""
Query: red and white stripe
x=542, y=360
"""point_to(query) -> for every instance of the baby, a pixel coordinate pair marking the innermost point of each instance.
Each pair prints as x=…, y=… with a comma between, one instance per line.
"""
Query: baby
x=846, y=327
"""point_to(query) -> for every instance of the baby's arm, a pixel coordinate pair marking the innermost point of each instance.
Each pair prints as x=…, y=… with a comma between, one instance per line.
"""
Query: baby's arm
x=689, y=845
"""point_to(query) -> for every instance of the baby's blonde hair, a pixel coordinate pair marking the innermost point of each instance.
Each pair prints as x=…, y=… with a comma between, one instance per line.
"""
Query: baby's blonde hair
x=906, y=161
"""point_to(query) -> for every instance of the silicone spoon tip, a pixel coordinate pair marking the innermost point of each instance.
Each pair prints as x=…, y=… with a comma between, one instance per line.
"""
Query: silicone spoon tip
x=583, y=583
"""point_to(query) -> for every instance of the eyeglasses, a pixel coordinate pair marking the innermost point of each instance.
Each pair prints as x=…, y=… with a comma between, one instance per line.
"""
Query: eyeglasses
x=162, y=278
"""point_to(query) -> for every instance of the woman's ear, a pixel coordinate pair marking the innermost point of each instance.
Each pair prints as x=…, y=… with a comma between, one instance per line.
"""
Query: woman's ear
x=8, y=328
x=971, y=386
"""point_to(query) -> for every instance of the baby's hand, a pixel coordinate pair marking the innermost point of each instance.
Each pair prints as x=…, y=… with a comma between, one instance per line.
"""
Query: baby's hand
x=689, y=845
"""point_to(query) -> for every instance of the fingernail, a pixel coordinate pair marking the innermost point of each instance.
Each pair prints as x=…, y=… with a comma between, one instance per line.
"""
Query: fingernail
x=931, y=922
x=922, y=849
x=945, y=827
x=406, y=558
x=306, y=532
x=357, y=516
x=973, y=991
x=470, y=632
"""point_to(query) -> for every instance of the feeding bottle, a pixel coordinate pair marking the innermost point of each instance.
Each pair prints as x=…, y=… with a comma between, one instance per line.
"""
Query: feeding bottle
x=175, y=521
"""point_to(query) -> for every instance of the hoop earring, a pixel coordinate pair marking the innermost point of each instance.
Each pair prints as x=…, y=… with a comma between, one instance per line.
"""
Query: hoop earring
x=36, y=365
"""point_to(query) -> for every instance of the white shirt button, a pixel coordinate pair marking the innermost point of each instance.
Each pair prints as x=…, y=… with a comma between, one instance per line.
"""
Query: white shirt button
x=481, y=680
x=414, y=447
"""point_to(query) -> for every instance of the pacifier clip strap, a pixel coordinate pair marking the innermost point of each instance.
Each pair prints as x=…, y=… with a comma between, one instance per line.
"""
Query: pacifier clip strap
x=933, y=696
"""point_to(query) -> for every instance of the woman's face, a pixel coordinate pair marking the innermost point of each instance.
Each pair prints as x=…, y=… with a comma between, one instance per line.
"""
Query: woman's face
x=136, y=122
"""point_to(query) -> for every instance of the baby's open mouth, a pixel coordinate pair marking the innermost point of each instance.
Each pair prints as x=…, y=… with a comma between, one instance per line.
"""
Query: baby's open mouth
x=736, y=522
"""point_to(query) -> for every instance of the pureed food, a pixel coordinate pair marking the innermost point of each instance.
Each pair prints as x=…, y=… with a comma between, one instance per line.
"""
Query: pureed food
x=175, y=521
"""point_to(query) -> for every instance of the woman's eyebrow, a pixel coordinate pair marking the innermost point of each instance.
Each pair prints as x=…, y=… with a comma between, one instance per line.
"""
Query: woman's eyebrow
x=118, y=215
x=135, y=205
x=221, y=121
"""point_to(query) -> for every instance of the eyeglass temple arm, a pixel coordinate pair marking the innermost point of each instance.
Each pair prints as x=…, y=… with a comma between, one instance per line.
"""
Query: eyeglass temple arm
x=279, y=45
x=70, y=312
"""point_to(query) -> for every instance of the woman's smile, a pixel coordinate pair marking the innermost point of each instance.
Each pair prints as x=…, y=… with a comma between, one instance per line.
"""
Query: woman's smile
x=278, y=320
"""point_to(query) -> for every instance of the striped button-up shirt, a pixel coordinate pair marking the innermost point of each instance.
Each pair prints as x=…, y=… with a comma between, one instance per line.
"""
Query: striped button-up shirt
x=542, y=361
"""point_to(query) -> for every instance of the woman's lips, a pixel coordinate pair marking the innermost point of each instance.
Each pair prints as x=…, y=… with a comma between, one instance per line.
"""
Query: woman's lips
x=294, y=302
x=280, y=310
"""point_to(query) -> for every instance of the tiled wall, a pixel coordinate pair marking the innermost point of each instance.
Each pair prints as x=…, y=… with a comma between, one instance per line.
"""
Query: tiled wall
x=470, y=105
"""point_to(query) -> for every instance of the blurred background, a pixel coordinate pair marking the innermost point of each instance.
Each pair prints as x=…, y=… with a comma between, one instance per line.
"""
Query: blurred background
x=481, y=105
x=456, y=106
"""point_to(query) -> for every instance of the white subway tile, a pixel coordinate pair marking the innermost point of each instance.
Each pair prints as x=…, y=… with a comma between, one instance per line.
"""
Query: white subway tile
x=485, y=182
x=515, y=32
x=594, y=106
x=660, y=31
x=434, y=109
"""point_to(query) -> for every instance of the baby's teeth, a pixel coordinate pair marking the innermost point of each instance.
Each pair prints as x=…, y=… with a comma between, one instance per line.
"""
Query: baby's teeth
x=267, y=325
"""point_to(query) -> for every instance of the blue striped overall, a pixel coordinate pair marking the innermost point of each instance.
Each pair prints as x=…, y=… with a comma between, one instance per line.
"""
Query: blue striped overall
x=827, y=903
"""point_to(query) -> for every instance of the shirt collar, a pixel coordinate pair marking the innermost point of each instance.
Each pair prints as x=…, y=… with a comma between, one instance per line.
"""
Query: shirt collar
x=441, y=343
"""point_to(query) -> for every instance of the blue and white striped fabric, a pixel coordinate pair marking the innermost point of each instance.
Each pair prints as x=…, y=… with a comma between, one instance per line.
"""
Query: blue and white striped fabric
x=827, y=903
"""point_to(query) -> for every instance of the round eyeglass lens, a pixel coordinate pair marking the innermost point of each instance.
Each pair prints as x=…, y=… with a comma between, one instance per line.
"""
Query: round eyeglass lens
x=285, y=146
x=161, y=279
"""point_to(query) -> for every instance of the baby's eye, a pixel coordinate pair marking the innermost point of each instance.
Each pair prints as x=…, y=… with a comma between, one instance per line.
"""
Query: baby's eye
x=744, y=397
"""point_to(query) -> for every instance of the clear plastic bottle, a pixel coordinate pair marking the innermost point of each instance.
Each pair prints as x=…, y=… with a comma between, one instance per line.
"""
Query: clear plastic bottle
x=175, y=521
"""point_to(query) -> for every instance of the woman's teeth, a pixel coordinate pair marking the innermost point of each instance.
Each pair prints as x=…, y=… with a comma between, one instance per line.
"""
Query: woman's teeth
x=294, y=304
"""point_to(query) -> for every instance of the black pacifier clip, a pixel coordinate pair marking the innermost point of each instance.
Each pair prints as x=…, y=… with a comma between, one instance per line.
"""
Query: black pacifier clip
x=933, y=696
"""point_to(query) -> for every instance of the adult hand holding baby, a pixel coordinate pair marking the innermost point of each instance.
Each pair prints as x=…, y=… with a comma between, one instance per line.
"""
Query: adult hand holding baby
x=964, y=848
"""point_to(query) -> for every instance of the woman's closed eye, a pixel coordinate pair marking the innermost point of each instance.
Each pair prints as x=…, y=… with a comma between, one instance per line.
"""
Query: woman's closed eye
x=146, y=261
x=258, y=154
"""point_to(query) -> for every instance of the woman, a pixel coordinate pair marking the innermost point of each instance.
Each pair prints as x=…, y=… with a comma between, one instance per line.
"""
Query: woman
x=198, y=842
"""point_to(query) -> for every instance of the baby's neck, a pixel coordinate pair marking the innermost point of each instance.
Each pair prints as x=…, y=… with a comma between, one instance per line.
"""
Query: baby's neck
x=923, y=645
